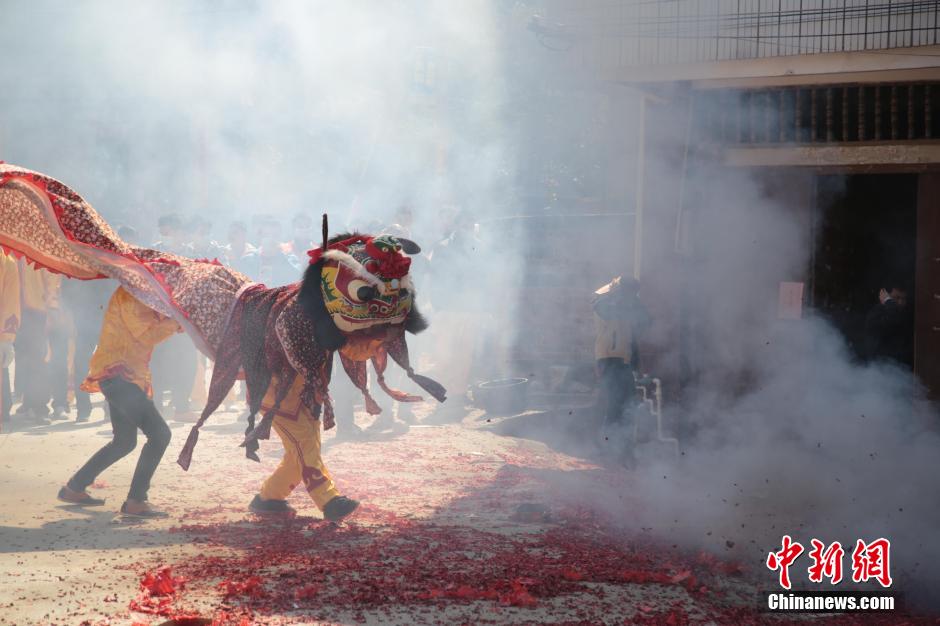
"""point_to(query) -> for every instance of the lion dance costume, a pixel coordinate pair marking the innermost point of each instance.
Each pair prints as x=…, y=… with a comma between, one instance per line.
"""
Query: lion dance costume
x=356, y=297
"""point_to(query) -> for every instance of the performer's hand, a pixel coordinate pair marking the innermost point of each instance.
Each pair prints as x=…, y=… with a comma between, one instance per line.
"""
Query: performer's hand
x=883, y=296
x=6, y=354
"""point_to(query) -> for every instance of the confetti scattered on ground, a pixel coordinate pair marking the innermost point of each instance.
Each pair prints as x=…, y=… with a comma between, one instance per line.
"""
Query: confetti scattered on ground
x=457, y=525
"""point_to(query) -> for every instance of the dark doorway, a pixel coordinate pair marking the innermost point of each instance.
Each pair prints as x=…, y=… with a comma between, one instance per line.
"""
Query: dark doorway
x=866, y=228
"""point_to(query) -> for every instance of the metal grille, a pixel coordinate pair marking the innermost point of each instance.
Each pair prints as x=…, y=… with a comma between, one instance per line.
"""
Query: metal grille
x=824, y=114
x=636, y=32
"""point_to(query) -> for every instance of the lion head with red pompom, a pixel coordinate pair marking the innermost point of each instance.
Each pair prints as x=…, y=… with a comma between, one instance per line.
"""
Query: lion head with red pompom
x=358, y=282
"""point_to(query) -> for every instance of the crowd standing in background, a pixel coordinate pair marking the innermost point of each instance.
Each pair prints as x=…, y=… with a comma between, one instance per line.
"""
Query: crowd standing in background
x=49, y=326
x=35, y=344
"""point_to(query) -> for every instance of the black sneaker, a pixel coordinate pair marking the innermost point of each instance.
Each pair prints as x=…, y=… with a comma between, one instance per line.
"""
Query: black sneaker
x=78, y=497
x=260, y=506
x=338, y=508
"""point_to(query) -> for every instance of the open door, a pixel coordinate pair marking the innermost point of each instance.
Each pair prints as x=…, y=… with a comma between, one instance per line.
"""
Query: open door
x=927, y=312
x=866, y=236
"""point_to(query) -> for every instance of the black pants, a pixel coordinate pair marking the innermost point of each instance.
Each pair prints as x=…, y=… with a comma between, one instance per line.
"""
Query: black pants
x=58, y=366
x=85, y=341
x=619, y=389
x=130, y=409
x=32, y=378
x=174, y=370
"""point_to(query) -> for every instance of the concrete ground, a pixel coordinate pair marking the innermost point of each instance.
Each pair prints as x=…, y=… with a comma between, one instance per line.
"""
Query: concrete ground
x=458, y=524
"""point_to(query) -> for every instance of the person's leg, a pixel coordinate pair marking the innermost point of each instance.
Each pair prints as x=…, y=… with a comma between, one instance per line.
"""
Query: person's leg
x=301, y=439
x=59, y=366
x=31, y=347
x=84, y=348
x=628, y=402
x=122, y=443
x=620, y=412
x=343, y=394
x=161, y=368
x=278, y=486
x=272, y=499
x=7, y=400
x=158, y=434
x=184, y=372
x=16, y=381
x=397, y=378
x=614, y=389
x=232, y=399
x=199, y=393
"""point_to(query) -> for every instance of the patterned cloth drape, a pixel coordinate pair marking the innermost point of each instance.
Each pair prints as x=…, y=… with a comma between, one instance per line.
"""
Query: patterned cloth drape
x=54, y=228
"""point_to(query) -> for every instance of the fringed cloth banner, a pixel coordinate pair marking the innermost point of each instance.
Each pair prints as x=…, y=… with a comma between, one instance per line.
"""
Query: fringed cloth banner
x=54, y=228
x=242, y=326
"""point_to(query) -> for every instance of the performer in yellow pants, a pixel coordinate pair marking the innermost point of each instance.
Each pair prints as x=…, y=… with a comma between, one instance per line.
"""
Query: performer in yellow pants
x=300, y=433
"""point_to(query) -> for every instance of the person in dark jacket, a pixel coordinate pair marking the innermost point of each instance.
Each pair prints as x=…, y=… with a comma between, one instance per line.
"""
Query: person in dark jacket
x=620, y=318
x=889, y=333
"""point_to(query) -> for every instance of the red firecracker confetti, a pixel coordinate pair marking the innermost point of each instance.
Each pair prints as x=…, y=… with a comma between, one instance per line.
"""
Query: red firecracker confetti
x=156, y=592
x=481, y=552
x=252, y=587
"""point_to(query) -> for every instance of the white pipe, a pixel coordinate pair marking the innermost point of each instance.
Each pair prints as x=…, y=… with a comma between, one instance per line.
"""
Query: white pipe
x=640, y=191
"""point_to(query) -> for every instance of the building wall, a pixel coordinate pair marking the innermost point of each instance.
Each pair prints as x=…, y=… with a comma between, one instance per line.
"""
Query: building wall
x=623, y=33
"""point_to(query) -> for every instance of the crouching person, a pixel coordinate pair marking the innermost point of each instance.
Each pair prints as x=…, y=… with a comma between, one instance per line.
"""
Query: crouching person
x=120, y=369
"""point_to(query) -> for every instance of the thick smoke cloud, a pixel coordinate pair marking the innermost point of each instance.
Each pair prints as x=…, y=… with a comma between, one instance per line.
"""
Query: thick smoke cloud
x=242, y=109
x=236, y=108
x=792, y=433
x=233, y=109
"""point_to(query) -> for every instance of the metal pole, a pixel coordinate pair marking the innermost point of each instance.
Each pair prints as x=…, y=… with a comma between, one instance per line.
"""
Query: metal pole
x=640, y=185
x=680, y=242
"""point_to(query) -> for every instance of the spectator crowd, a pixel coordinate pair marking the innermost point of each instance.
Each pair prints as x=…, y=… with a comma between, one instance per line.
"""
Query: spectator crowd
x=49, y=325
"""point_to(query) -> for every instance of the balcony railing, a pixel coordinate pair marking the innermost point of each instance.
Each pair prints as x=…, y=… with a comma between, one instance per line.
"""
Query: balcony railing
x=626, y=33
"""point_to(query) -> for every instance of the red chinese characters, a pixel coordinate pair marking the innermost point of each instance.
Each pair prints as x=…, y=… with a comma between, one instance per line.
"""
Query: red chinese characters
x=827, y=562
x=869, y=561
x=789, y=552
x=872, y=560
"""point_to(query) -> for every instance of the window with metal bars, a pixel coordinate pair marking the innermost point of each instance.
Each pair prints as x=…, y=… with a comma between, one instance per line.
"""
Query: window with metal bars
x=887, y=112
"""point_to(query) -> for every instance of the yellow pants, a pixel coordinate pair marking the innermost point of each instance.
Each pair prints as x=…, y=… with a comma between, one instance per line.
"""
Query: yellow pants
x=300, y=434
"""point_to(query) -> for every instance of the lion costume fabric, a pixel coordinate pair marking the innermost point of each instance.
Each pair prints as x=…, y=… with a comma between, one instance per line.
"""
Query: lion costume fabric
x=356, y=297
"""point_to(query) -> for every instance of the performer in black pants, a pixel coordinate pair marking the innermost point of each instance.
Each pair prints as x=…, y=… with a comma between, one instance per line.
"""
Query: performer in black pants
x=120, y=368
